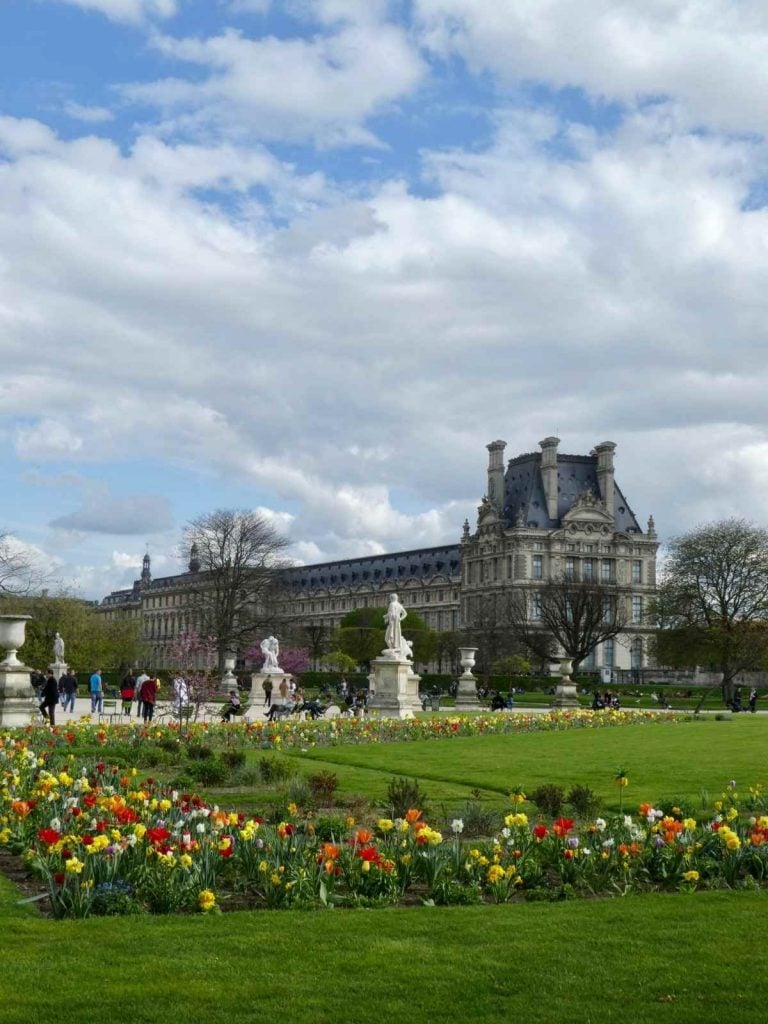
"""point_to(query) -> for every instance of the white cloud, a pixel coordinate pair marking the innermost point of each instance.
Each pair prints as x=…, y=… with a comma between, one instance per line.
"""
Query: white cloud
x=322, y=88
x=89, y=114
x=47, y=439
x=712, y=55
x=350, y=362
x=128, y=11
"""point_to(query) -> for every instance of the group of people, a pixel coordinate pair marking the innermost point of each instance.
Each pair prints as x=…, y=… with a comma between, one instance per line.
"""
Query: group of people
x=735, y=703
x=600, y=701
x=143, y=689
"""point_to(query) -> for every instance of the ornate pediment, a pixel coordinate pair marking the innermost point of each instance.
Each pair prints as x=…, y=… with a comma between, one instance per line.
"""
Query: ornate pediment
x=587, y=510
x=487, y=514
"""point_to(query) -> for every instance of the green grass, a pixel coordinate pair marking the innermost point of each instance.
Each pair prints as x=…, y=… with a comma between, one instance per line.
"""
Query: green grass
x=651, y=959
x=664, y=760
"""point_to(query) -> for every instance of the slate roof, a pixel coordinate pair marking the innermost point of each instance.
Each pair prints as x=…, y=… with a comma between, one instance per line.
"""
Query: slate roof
x=424, y=563
x=524, y=488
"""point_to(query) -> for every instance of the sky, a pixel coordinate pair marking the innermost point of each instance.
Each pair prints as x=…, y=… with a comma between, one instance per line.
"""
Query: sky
x=310, y=256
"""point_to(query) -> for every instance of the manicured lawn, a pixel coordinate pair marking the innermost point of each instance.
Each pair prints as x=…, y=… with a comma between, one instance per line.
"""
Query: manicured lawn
x=680, y=760
x=640, y=959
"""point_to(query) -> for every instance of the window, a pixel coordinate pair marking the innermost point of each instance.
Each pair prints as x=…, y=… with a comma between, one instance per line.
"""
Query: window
x=608, y=610
x=606, y=570
x=538, y=567
x=538, y=546
x=636, y=653
x=608, y=653
x=637, y=571
x=570, y=568
x=637, y=609
x=535, y=607
x=588, y=570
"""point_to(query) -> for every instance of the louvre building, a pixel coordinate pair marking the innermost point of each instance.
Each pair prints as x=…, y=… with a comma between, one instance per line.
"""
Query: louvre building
x=544, y=515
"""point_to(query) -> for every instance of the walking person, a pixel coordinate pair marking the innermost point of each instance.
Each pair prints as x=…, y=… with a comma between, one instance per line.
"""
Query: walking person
x=267, y=688
x=50, y=698
x=68, y=687
x=753, y=700
x=180, y=693
x=148, y=694
x=128, y=692
x=142, y=678
x=97, y=692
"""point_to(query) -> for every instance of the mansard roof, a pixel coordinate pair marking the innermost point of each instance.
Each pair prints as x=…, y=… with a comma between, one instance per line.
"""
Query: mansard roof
x=524, y=490
x=377, y=569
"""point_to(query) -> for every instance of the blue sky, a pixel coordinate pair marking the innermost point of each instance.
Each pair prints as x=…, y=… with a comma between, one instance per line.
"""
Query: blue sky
x=310, y=256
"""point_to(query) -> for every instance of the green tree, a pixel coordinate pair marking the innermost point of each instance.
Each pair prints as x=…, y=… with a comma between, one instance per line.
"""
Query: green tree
x=338, y=661
x=92, y=640
x=712, y=604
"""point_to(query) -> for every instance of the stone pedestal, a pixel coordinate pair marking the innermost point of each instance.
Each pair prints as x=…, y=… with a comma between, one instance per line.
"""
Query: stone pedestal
x=17, y=698
x=565, y=691
x=59, y=668
x=466, y=694
x=257, y=695
x=395, y=688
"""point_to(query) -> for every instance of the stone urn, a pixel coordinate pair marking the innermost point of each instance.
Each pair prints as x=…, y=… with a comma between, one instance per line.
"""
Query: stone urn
x=565, y=692
x=229, y=681
x=467, y=659
x=12, y=635
x=466, y=691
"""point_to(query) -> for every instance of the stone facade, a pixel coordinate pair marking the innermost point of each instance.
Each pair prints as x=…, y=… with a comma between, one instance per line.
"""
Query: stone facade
x=545, y=515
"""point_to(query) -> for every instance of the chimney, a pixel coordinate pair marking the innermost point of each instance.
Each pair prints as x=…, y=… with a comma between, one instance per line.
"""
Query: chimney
x=604, y=453
x=496, y=475
x=549, y=473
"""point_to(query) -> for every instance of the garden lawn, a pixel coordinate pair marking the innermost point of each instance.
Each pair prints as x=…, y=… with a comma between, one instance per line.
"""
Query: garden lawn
x=641, y=959
x=686, y=760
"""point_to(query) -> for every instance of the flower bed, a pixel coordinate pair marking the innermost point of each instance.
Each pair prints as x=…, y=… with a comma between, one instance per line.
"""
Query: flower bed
x=289, y=734
x=107, y=841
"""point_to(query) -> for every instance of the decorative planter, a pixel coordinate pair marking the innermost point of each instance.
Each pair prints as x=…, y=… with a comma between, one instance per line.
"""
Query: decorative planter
x=467, y=657
x=466, y=692
x=12, y=635
x=565, y=692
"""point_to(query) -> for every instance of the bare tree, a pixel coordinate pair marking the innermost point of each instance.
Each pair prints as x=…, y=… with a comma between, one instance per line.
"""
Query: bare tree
x=239, y=555
x=572, y=615
x=19, y=572
x=489, y=628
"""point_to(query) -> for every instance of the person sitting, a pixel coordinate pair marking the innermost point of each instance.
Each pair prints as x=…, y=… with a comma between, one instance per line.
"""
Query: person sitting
x=497, y=702
x=234, y=707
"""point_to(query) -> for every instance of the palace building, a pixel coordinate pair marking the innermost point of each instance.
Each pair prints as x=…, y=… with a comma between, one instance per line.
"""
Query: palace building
x=545, y=515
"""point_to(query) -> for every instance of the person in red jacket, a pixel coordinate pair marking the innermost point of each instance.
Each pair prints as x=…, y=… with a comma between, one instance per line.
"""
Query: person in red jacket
x=147, y=694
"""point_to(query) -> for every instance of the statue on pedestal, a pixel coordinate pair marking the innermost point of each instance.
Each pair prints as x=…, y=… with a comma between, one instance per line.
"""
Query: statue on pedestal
x=270, y=648
x=393, y=616
x=58, y=648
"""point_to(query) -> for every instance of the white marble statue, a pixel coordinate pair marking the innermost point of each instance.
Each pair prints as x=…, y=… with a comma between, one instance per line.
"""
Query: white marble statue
x=393, y=616
x=58, y=648
x=270, y=648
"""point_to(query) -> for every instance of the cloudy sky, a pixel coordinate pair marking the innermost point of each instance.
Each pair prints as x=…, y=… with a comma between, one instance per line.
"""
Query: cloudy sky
x=310, y=256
